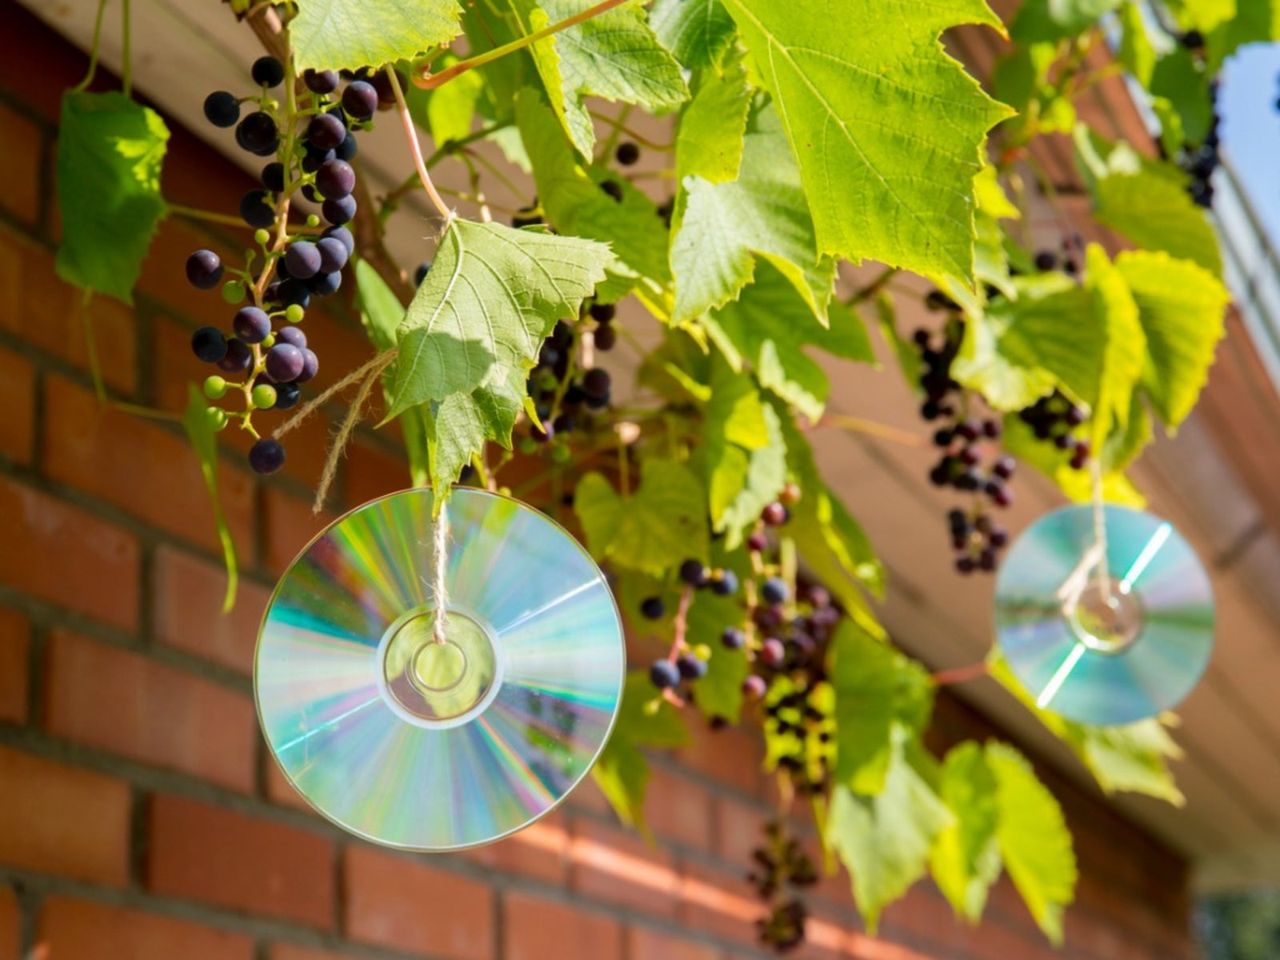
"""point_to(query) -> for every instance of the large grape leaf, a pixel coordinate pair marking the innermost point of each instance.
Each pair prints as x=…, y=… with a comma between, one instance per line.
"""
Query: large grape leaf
x=884, y=840
x=1202, y=15
x=1180, y=78
x=770, y=330
x=110, y=150
x=697, y=32
x=886, y=126
x=1040, y=21
x=725, y=227
x=1255, y=21
x=1034, y=840
x=877, y=689
x=340, y=34
x=661, y=523
x=965, y=861
x=710, y=140
x=474, y=328
x=1182, y=309
x=575, y=205
x=614, y=56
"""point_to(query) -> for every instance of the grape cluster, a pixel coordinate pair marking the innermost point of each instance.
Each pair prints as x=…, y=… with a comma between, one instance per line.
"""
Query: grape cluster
x=686, y=661
x=265, y=358
x=1054, y=419
x=970, y=461
x=1200, y=162
x=780, y=871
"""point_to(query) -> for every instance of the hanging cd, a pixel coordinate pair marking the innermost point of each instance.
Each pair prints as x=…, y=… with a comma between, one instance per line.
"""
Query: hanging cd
x=428, y=745
x=1104, y=644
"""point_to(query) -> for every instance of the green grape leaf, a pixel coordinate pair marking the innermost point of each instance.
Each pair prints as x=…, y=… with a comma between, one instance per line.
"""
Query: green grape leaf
x=885, y=180
x=966, y=860
x=1039, y=21
x=1180, y=78
x=1021, y=443
x=663, y=522
x=1182, y=309
x=770, y=330
x=381, y=313
x=575, y=205
x=725, y=227
x=614, y=56
x=981, y=365
x=697, y=32
x=204, y=441
x=1136, y=53
x=1133, y=758
x=710, y=139
x=877, y=690
x=451, y=108
x=905, y=352
x=884, y=841
x=745, y=452
x=720, y=690
x=474, y=329
x=1255, y=21
x=1202, y=15
x=834, y=545
x=110, y=150
x=1034, y=840
x=340, y=35
x=622, y=772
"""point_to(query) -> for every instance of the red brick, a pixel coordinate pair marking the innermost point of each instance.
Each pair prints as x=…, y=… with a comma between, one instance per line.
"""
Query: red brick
x=187, y=613
x=399, y=903
x=139, y=465
x=15, y=641
x=280, y=790
x=121, y=701
x=719, y=903
x=645, y=944
x=287, y=951
x=290, y=525
x=535, y=929
x=20, y=165
x=372, y=472
x=540, y=850
x=94, y=931
x=97, y=569
x=732, y=756
x=57, y=819
x=17, y=400
x=612, y=865
x=739, y=827
x=221, y=857
x=678, y=809
x=10, y=925
x=164, y=272
x=47, y=313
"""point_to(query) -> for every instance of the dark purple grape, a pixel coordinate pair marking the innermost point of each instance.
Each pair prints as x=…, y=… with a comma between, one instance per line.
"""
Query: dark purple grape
x=693, y=573
x=754, y=687
x=208, y=344
x=998, y=537
x=1046, y=260
x=284, y=362
x=605, y=337
x=653, y=608
x=343, y=236
x=420, y=273
x=310, y=365
x=359, y=100
x=347, y=149
x=273, y=177
x=287, y=395
x=726, y=585
x=267, y=455
x=819, y=597
x=987, y=560
x=691, y=667
x=602, y=312
x=256, y=211
x=664, y=674
x=293, y=336
x=311, y=193
x=965, y=564
x=757, y=541
x=733, y=638
x=258, y=134
x=237, y=359
x=775, y=514
x=333, y=254
x=596, y=382
x=251, y=324
x=221, y=109
x=302, y=259
x=335, y=178
x=320, y=81
x=382, y=83
x=324, y=284
x=772, y=652
x=1074, y=416
x=267, y=71
x=774, y=591
x=339, y=210
x=325, y=131
x=294, y=291
x=204, y=269
x=315, y=159
x=627, y=153
x=613, y=189
x=992, y=428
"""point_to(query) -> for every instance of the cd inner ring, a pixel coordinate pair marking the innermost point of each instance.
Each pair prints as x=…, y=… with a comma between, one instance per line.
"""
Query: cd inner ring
x=1105, y=621
x=437, y=685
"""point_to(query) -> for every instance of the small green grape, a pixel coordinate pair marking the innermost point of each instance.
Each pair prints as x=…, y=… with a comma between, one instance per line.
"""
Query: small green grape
x=233, y=291
x=264, y=396
x=294, y=313
x=215, y=387
x=269, y=341
x=702, y=652
x=313, y=220
x=261, y=237
x=561, y=454
x=528, y=446
x=217, y=417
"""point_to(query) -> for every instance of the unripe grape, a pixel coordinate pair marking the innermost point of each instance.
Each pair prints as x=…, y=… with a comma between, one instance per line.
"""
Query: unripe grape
x=217, y=417
x=294, y=313
x=264, y=396
x=233, y=291
x=215, y=387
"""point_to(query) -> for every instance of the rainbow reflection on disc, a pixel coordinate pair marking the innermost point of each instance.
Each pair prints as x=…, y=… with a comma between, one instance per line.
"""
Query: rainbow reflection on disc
x=1100, y=659
x=439, y=746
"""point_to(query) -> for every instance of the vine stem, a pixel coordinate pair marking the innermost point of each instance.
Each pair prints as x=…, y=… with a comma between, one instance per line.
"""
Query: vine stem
x=415, y=148
x=961, y=674
x=429, y=81
x=93, y=49
x=858, y=425
x=681, y=623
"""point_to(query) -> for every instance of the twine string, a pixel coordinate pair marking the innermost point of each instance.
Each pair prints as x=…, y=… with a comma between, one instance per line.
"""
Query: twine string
x=439, y=553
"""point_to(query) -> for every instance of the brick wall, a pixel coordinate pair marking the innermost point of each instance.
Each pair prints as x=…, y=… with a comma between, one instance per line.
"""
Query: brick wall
x=139, y=816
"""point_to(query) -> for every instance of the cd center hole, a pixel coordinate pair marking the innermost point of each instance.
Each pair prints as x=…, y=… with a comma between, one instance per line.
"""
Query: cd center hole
x=1107, y=621
x=439, y=666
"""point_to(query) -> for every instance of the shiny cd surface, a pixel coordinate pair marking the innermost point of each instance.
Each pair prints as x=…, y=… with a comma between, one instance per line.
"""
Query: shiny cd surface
x=1111, y=650
x=429, y=745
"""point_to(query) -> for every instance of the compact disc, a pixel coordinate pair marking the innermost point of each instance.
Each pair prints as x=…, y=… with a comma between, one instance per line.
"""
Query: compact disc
x=427, y=745
x=1104, y=649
